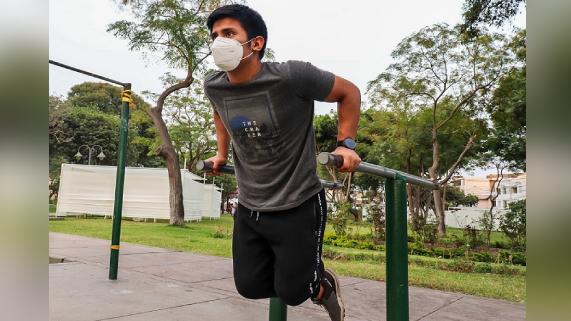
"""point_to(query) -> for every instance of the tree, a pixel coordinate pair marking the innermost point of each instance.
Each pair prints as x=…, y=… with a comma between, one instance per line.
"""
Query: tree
x=439, y=69
x=177, y=31
x=106, y=98
x=513, y=223
x=456, y=197
x=487, y=12
x=190, y=123
x=507, y=110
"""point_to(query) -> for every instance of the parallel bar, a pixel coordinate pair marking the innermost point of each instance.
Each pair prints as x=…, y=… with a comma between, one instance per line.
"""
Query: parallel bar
x=333, y=160
x=89, y=73
x=119, y=183
x=278, y=310
x=229, y=169
x=396, y=247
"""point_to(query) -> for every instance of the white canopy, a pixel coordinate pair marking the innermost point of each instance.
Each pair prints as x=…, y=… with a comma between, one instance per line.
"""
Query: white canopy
x=90, y=189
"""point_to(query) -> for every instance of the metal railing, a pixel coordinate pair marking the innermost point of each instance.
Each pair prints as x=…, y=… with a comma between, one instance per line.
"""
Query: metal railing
x=122, y=158
x=396, y=230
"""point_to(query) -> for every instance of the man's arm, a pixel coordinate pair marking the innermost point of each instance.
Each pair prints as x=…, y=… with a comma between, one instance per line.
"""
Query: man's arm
x=348, y=98
x=222, y=142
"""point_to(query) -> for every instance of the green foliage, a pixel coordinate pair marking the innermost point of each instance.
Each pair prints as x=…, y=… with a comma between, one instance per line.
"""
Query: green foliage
x=190, y=124
x=456, y=197
x=222, y=233
x=175, y=29
x=338, y=218
x=513, y=223
x=508, y=111
x=101, y=96
x=428, y=234
x=487, y=12
x=472, y=236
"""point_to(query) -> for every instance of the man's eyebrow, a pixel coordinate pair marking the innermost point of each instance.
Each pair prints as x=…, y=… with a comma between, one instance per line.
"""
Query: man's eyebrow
x=214, y=33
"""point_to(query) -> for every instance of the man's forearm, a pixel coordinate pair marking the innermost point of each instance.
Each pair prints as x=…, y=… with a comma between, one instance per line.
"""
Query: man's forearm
x=348, y=111
x=222, y=137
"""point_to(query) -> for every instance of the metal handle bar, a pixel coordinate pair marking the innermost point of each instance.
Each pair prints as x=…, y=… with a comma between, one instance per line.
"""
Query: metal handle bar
x=229, y=169
x=337, y=160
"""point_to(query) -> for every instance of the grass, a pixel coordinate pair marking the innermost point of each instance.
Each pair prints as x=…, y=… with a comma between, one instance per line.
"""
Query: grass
x=213, y=237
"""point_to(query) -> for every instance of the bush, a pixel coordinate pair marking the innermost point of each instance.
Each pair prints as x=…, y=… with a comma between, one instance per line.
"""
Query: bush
x=481, y=267
x=428, y=233
x=482, y=257
x=513, y=223
x=461, y=266
x=338, y=218
x=220, y=233
x=472, y=236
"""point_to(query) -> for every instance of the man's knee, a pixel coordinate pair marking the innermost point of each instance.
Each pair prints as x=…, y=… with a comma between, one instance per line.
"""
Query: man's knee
x=293, y=295
x=251, y=288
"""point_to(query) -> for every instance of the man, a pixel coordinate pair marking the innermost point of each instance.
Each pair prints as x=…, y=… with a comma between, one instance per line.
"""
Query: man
x=266, y=111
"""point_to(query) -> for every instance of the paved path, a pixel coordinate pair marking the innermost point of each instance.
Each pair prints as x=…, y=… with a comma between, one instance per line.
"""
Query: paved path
x=164, y=285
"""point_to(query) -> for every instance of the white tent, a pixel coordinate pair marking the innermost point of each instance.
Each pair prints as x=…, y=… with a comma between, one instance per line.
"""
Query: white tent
x=90, y=189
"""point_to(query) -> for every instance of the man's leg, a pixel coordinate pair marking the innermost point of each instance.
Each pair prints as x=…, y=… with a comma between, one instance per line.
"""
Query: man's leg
x=253, y=258
x=296, y=237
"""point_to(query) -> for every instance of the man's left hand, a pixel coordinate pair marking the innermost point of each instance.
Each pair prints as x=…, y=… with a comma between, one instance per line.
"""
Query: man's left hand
x=350, y=159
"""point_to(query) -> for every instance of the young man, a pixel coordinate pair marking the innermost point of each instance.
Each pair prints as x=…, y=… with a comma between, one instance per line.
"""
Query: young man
x=266, y=111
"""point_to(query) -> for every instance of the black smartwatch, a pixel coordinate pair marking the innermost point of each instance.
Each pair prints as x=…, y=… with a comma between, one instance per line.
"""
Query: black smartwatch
x=347, y=143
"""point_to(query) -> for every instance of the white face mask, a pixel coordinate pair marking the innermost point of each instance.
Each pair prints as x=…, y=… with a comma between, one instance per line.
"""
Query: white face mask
x=227, y=53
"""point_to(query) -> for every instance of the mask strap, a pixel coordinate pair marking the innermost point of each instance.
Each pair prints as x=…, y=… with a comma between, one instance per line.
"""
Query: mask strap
x=248, y=55
x=251, y=53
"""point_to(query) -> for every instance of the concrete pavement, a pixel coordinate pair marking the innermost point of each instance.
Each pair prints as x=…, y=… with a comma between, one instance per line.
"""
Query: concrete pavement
x=161, y=284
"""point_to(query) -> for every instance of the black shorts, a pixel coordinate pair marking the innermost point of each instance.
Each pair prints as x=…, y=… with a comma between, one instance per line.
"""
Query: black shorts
x=278, y=254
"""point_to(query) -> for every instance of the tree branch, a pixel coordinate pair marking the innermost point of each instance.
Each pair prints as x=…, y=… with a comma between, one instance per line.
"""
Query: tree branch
x=184, y=84
x=453, y=168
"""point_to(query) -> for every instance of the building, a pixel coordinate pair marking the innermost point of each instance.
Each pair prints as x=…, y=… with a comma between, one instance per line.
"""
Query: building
x=511, y=188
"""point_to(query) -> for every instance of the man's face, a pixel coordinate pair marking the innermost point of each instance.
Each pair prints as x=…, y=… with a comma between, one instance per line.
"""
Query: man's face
x=231, y=28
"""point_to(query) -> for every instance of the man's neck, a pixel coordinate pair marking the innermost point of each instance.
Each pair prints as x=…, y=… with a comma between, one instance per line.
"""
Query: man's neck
x=245, y=72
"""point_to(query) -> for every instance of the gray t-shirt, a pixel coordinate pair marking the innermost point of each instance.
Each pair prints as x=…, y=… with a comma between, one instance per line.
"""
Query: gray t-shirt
x=270, y=121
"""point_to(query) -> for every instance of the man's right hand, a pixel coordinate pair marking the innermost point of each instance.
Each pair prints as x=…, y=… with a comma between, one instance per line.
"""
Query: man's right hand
x=217, y=161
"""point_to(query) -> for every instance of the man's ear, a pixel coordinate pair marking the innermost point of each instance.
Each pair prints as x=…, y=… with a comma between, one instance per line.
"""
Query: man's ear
x=258, y=43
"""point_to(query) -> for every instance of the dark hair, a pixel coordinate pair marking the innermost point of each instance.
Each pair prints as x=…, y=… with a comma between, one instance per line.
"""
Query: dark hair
x=250, y=20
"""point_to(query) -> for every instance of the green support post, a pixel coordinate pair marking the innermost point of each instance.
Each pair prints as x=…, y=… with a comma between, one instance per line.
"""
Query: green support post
x=119, y=183
x=397, y=253
x=278, y=310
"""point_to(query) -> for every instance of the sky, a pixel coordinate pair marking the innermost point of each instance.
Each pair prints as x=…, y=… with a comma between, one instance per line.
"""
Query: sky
x=352, y=39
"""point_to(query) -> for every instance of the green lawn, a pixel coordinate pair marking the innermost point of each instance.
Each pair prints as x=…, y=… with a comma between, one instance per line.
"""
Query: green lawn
x=213, y=237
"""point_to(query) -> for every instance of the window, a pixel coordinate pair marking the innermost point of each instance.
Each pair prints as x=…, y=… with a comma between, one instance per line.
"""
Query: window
x=514, y=190
x=504, y=204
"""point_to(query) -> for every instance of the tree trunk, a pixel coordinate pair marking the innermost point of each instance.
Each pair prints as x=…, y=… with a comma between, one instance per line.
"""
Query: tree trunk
x=437, y=194
x=168, y=153
x=439, y=211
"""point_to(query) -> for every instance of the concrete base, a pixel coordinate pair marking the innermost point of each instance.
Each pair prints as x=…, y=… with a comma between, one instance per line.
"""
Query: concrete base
x=162, y=285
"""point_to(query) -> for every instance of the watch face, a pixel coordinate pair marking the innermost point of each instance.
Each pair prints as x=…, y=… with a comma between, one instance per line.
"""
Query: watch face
x=349, y=143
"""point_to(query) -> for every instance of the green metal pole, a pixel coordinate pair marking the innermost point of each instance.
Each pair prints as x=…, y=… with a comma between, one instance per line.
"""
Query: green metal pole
x=397, y=254
x=119, y=183
x=278, y=310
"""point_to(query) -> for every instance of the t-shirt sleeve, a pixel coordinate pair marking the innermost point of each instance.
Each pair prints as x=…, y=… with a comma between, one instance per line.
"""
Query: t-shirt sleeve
x=206, y=93
x=309, y=81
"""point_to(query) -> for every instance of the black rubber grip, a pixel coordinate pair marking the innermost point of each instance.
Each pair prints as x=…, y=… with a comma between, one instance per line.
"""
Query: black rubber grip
x=207, y=167
x=330, y=159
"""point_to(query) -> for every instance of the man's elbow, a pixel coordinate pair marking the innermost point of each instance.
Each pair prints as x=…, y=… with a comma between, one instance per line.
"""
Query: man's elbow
x=353, y=95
